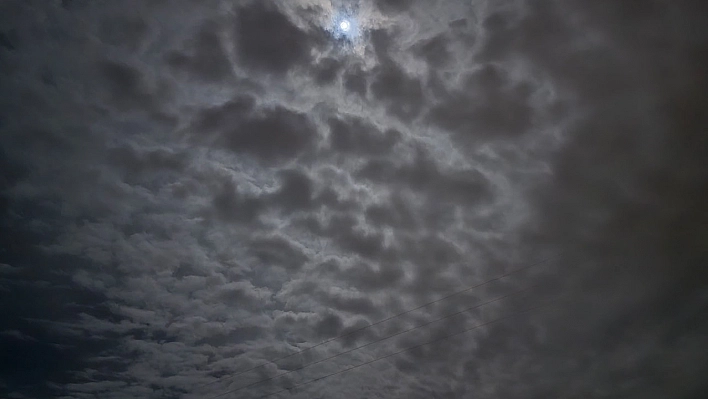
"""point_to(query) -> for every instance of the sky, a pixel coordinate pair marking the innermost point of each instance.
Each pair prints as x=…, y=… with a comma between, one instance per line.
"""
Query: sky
x=465, y=199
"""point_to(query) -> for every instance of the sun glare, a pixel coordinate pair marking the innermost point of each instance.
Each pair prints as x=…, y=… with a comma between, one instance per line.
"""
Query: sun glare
x=345, y=26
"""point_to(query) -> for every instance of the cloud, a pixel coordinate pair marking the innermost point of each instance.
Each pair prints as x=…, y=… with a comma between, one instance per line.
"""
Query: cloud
x=485, y=108
x=356, y=135
x=278, y=251
x=402, y=94
x=206, y=57
x=327, y=70
x=125, y=84
x=127, y=31
x=395, y=213
x=423, y=176
x=271, y=134
x=230, y=205
x=393, y=6
x=295, y=192
x=6, y=40
x=355, y=81
x=268, y=40
x=434, y=51
x=193, y=198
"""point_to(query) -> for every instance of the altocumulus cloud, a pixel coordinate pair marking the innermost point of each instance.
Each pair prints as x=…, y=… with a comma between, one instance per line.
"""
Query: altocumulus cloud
x=192, y=189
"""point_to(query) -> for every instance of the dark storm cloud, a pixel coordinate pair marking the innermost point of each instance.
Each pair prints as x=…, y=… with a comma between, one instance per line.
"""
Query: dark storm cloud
x=327, y=70
x=355, y=81
x=8, y=39
x=331, y=199
x=431, y=252
x=332, y=297
x=622, y=208
x=458, y=23
x=206, y=56
x=423, y=176
x=393, y=6
x=224, y=116
x=236, y=294
x=271, y=134
x=128, y=31
x=165, y=230
x=330, y=325
x=395, y=212
x=268, y=40
x=541, y=36
x=296, y=191
x=36, y=353
x=434, y=50
x=487, y=106
x=383, y=42
x=402, y=93
x=363, y=276
x=277, y=251
x=620, y=161
x=343, y=231
x=127, y=87
x=234, y=206
x=142, y=166
x=358, y=136
x=357, y=305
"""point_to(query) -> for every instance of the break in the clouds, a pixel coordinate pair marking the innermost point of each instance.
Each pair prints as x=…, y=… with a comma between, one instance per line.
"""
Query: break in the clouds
x=193, y=189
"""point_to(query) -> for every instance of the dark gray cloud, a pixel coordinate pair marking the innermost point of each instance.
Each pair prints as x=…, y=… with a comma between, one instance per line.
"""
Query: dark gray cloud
x=268, y=40
x=277, y=251
x=402, y=94
x=221, y=117
x=206, y=57
x=487, y=106
x=327, y=70
x=127, y=31
x=232, y=205
x=356, y=135
x=128, y=89
x=190, y=190
x=355, y=81
x=145, y=167
x=344, y=231
x=276, y=133
x=296, y=191
x=270, y=134
x=395, y=213
x=8, y=40
x=393, y=6
x=423, y=176
x=434, y=50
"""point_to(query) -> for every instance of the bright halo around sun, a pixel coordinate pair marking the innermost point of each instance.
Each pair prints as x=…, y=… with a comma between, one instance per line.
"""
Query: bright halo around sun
x=345, y=26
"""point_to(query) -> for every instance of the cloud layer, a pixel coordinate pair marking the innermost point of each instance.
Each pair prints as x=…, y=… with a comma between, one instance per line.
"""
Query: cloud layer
x=192, y=189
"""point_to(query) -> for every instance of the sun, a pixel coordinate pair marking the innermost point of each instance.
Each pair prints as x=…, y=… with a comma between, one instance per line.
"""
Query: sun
x=345, y=25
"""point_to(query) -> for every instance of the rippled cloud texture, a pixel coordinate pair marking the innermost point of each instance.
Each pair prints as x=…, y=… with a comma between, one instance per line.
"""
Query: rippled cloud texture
x=191, y=189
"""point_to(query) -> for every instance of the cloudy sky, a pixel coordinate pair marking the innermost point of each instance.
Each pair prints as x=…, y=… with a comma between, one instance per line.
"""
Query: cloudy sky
x=193, y=189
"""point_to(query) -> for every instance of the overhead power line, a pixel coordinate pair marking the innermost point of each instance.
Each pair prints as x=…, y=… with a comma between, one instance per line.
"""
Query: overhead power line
x=369, y=344
x=348, y=333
